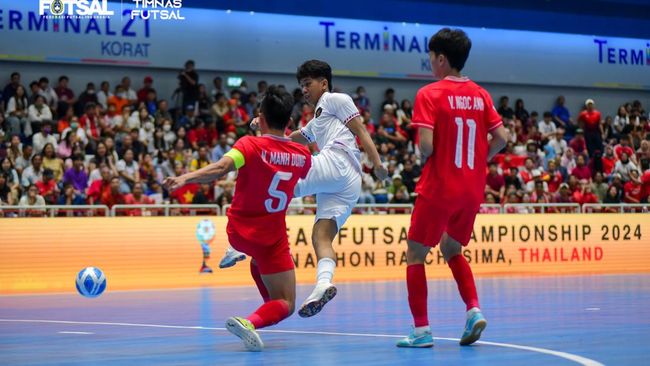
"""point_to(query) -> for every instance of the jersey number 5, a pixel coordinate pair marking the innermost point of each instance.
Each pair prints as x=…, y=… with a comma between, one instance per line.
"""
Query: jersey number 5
x=275, y=193
x=471, y=141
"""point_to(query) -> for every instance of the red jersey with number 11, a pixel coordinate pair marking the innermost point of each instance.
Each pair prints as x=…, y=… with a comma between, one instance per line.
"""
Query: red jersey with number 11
x=461, y=114
x=265, y=183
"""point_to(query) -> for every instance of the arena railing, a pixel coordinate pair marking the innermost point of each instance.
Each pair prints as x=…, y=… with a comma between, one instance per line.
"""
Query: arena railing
x=365, y=208
x=616, y=207
x=54, y=211
x=166, y=210
x=524, y=208
x=491, y=208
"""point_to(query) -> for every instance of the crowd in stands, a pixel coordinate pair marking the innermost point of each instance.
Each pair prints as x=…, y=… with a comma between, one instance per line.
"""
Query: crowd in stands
x=114, y=144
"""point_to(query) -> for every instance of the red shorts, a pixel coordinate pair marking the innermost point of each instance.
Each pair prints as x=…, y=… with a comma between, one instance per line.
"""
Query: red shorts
x=431, y=218
x=270, y=257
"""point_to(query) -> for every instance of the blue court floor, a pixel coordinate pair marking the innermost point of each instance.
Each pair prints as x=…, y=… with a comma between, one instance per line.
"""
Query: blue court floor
x=589, y=320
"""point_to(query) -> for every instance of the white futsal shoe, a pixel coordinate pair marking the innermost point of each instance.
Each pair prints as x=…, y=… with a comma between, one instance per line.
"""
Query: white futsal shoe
x=322, y=294
x=231, y=257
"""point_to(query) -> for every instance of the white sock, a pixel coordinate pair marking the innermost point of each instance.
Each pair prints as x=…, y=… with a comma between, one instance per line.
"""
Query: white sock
x=421, y=330
x=472, y=311
x=325, y=271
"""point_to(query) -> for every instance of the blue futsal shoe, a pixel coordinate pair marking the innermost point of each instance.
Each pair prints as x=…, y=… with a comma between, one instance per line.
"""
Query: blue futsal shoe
x=475, y=325
x=231, y=258
x=424, y=340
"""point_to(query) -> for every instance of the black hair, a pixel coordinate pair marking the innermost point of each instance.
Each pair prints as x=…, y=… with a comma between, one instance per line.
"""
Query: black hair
x=454, y=44
x=548, y=114
x=315, y=69
x=277, y=105
x=15, y=73
x=44, y=80
x=63, y=77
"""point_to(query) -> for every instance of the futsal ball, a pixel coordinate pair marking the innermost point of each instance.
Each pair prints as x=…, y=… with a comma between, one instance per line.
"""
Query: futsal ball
x=91, y=282
x=205, y=231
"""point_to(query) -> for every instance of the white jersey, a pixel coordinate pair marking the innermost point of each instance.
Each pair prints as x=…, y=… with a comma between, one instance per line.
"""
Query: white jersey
x=329, y=127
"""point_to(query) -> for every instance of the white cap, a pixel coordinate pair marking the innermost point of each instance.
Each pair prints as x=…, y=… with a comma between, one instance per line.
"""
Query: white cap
x=589, y=101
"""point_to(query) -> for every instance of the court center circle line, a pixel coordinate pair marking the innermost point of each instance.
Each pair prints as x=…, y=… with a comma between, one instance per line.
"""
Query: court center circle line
x=567, y=356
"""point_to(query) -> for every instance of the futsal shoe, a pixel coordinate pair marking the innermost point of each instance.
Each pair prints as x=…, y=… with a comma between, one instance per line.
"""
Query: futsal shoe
x=205, y=269
x=231, y=258
x=424, y=340
x=475, y=325
x=321, y=295
x=245, y=330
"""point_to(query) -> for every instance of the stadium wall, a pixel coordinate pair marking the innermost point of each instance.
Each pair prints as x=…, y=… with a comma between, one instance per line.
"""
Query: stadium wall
x=44, y=255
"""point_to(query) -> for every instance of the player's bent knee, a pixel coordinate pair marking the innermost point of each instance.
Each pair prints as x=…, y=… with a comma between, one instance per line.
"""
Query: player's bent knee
x=450, y=249
x=416, y=253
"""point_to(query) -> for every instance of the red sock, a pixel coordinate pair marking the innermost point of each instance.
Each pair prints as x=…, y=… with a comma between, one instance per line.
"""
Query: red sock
x=416, y=283
x=261, y=287
x=270, y=313
x=465, y=280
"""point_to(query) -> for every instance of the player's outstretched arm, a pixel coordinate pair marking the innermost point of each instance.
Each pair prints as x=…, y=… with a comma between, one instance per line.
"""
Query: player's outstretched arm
x=498, y=142
x=357, y=128
x=207, y=174
x=296, y=136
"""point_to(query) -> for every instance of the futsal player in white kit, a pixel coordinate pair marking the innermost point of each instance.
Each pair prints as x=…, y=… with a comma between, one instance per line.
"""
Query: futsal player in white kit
x=335, y=176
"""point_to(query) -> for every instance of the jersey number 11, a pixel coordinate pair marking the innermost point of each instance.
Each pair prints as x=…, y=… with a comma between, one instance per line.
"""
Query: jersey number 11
x=471, y=141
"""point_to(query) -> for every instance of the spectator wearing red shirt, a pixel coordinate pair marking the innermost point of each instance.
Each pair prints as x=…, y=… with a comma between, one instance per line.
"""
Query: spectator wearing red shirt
x=90, y=123
x=307, y=114
x=236, y=119
x=609, y=161
x=526, y=174
x=494, y=182
x=99, y=187
x=212, y=132
x=137, y=197
x=578, y=143
x=146, y=88
x=645, y=181
x=554, y=177
x=198, y=135
x=47, y=187
x=590, y=120
x=584, y=194
x=634, y=192
x=624, y=146
x=581, y=171
x=113, y=196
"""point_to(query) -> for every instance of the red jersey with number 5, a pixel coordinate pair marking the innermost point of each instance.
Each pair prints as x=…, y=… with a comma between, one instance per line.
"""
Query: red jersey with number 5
x=461, y=114
x=265, y=183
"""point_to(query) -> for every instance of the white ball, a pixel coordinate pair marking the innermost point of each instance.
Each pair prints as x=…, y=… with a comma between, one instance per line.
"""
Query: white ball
x=205, y=231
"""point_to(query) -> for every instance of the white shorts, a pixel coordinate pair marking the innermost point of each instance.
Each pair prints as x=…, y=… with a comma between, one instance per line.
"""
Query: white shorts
x=336, y=183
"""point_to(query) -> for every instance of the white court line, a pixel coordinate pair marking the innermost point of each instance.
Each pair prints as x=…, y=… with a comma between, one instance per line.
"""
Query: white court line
x=65, y=332
x=567, y=356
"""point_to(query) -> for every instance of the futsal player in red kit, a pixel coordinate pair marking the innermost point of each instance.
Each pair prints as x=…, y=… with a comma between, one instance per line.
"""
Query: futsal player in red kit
x=268, y=169
x=454, y=117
